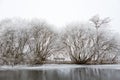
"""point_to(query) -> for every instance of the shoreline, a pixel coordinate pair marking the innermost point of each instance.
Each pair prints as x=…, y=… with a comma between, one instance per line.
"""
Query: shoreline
x=58, y=66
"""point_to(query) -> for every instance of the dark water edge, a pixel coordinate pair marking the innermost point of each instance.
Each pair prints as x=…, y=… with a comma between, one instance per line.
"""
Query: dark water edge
x=61, y=74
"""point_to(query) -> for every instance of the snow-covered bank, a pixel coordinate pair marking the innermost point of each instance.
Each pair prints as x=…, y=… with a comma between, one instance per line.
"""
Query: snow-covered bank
x=58, y=66
x=40, y=67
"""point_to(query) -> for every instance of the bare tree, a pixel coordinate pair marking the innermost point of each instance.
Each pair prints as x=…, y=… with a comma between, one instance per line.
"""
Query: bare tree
x=13, y=41
x=78, y=43
x=13, y=46
x=87, y=45
x=106, y=48
x=19, y=45
x=41, y=42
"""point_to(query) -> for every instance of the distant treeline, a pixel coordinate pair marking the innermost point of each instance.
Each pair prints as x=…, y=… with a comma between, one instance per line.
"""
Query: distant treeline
x=33, y=42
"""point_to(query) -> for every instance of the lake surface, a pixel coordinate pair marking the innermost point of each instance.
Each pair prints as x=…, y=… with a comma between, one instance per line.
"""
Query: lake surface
x=61, y=74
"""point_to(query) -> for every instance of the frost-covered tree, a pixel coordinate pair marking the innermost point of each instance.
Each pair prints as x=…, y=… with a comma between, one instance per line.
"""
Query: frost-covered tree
x=87, y=43
x=78, y=43
x=26, y=42
x=41, y=42
x=106, y=47
x=13, y=42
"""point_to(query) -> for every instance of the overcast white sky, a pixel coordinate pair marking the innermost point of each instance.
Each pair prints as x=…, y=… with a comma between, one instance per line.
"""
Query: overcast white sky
x=61, y=12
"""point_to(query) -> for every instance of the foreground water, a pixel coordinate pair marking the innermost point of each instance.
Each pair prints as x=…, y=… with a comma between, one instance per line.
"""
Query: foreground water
x=81, y=73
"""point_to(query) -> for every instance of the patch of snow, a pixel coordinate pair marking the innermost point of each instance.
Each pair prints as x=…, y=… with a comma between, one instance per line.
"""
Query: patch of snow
x=108, y=66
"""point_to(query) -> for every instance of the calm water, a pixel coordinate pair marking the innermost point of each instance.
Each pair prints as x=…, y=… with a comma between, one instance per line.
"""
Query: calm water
x=61, y=74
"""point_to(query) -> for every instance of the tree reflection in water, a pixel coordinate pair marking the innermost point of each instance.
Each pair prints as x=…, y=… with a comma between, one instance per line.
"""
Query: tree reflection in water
x=61, y=74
